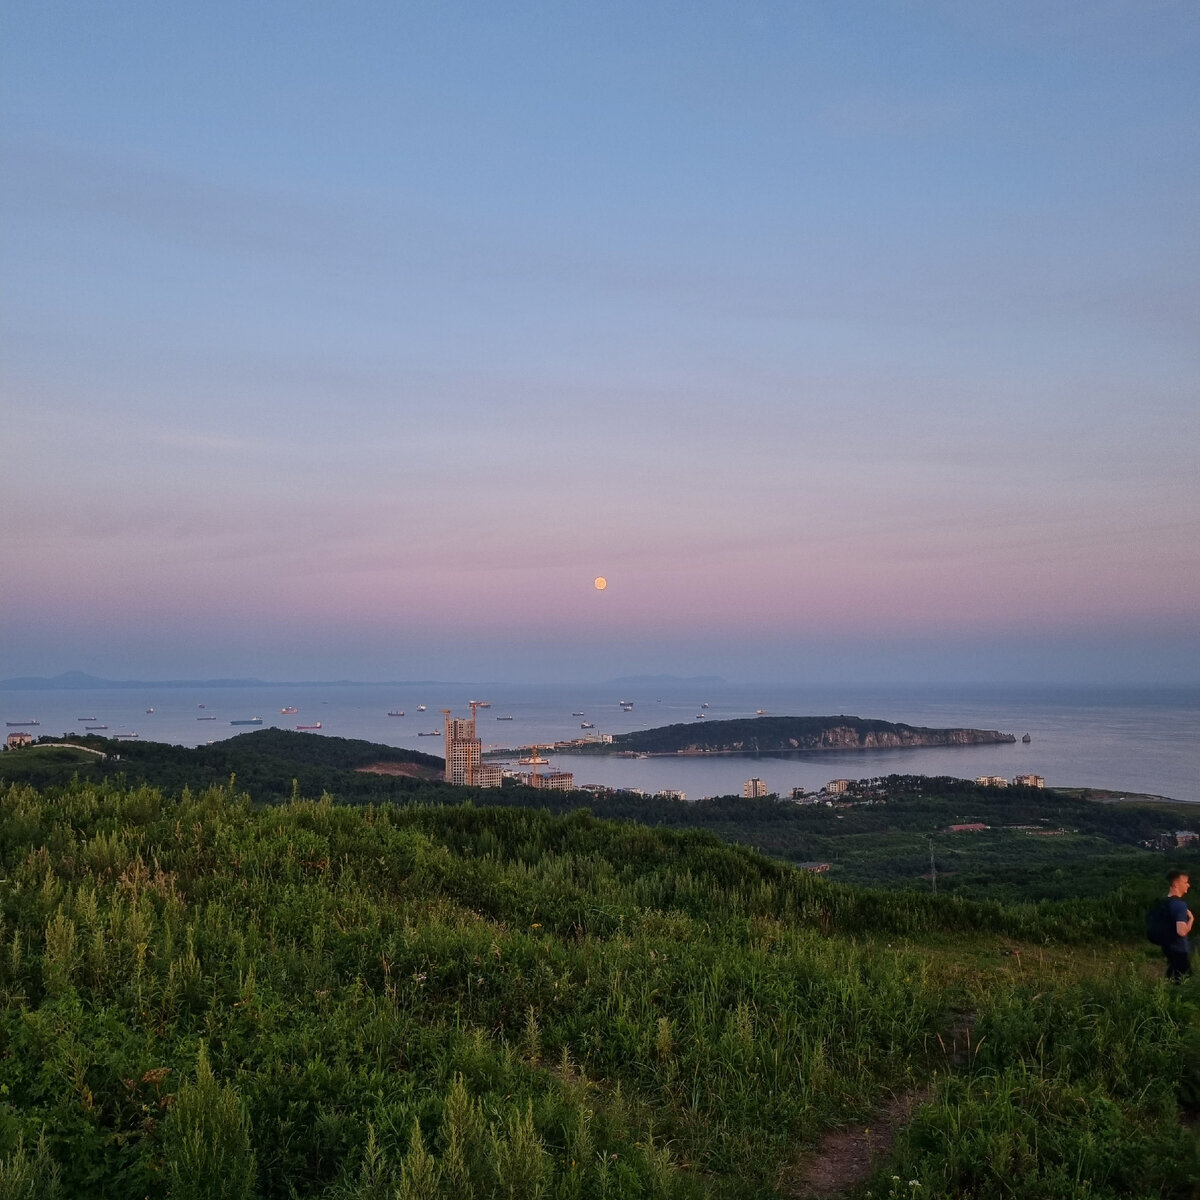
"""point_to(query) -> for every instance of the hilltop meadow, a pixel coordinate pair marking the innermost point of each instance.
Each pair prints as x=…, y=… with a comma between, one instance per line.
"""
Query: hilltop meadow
x=241, y=987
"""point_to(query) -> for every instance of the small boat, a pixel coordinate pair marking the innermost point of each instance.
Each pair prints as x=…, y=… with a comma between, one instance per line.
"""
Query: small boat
x=623, y=703
x=95, y=727
x=87, y=718
x=578, y=714
x=316, y=726
x=480, y=703
x=705, y=704
x=149, y=710
x=627, y=708
x=420, y=708
x=289, y=711
x=535, y=761
x=12, y=723
x=504, y=718
x=201, y=705
x=586, y=725
x=206, y=718
x=248, y=721
x=398, y=713
x=1027, y=739
x=760, y=712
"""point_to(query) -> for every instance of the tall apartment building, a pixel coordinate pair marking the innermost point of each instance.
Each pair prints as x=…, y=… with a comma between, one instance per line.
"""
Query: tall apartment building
x=463, y=749
x=464, y=754
x=753, y=788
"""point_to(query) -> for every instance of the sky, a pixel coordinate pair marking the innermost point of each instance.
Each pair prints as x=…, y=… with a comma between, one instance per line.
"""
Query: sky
x=848, y=341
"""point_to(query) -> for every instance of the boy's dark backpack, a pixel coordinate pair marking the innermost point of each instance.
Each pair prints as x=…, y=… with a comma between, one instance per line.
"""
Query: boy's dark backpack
x=1160, y=923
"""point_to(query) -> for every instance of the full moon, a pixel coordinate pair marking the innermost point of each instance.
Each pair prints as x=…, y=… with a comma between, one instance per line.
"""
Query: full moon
x=601, y=583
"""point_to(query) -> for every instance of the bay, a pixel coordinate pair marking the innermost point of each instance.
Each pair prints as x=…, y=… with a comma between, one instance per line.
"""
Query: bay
x=1126, y=739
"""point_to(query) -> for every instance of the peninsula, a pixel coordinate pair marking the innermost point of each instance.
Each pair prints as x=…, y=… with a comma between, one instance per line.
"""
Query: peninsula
x=773, y=735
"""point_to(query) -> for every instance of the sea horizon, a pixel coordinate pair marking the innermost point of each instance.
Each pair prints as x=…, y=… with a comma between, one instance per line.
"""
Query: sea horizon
x=1136, y=738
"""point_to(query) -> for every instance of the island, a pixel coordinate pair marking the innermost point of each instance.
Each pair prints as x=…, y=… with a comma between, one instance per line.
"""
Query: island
x=774, y=735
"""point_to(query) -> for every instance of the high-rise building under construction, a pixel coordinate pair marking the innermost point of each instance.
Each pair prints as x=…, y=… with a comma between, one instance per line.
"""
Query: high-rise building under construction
x=463, y=749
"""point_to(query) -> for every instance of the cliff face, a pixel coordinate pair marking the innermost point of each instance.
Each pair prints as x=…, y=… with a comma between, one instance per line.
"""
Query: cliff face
x=846, y=737
x=773, y=734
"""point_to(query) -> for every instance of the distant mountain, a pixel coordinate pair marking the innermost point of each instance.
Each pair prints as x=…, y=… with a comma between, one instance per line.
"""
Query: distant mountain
x=71, y=680
x=691, y=680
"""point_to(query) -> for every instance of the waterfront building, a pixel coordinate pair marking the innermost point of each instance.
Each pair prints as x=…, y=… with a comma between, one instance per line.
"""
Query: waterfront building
x=1029, y=781
x=838, y=787
x=752, y=789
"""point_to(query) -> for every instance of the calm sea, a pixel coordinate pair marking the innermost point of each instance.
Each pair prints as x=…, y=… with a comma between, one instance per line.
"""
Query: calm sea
x=1128, y=739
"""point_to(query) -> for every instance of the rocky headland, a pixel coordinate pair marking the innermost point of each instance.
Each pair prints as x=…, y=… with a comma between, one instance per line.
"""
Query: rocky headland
x=770, y=735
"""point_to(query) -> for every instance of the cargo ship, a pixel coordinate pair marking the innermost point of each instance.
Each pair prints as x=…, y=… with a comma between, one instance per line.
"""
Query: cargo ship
x=13, y=723
x=93, y=727
x=398, y=713
x=289, y=711
x=316, y=726
x=248, y=721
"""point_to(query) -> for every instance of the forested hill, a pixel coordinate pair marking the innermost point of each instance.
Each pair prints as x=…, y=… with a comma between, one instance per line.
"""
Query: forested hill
x=769, y=734
x=265, y=762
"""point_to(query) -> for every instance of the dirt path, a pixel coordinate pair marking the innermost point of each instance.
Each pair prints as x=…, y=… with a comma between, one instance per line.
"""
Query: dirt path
x=846, y=1157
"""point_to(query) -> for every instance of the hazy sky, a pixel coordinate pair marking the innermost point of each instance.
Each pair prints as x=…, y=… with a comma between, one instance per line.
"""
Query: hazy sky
x=848, y=341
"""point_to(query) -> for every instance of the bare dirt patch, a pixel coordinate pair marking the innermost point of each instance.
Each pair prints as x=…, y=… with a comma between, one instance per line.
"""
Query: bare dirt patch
x=410, y=770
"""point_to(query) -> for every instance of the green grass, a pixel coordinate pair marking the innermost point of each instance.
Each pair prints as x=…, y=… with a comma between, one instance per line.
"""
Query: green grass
x=313, y=1000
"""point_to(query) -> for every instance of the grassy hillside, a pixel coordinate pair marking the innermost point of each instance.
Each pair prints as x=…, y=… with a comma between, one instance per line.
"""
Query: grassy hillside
x=202, y=997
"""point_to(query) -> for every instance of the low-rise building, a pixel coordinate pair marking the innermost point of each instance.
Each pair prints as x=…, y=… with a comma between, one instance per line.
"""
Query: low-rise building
x=17, y=740
x=838, y=787
x=489, y=775
x=1029, y=781
x=991, y=781
x=670, y=794
x=969, y=827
